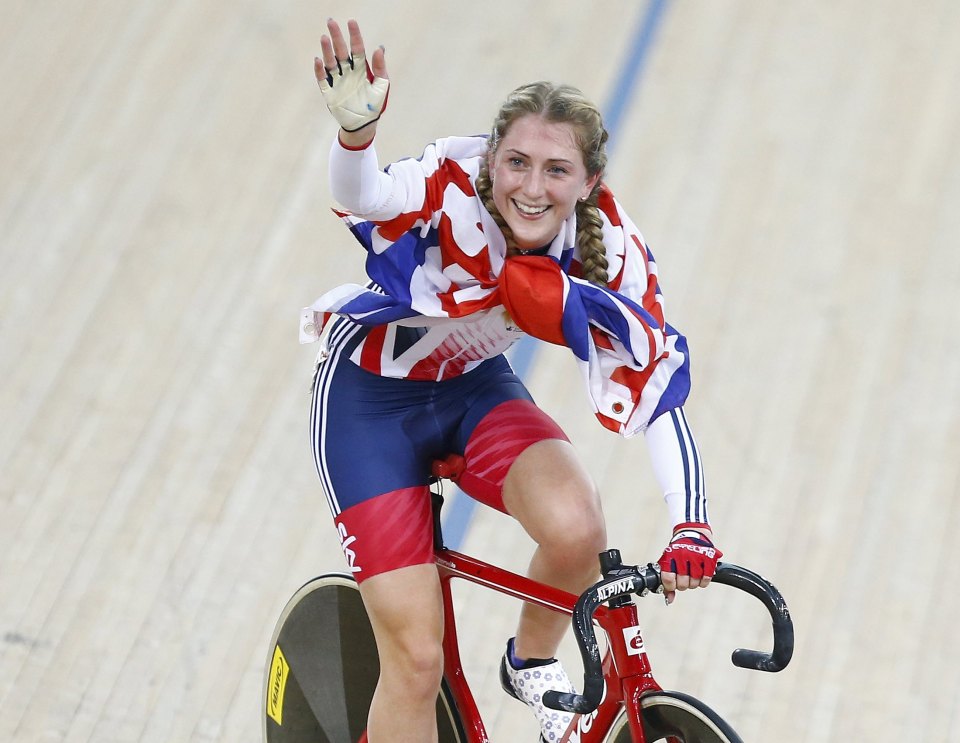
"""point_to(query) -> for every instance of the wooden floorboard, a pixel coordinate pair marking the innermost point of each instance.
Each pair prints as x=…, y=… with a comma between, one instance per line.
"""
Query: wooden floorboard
x=164, y=214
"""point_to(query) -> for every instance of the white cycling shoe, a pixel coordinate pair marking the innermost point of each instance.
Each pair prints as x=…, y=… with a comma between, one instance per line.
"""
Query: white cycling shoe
x=528, y=685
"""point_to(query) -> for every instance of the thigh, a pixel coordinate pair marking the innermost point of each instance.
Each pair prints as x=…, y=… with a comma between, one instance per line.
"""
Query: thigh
x=388, y=532
x=550, y=492
x=406, y=609
x=373, y=467
x=510, y=425
x=365, y=433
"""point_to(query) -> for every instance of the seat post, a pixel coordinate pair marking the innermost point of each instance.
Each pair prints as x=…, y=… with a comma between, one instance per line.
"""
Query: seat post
x=437, y=504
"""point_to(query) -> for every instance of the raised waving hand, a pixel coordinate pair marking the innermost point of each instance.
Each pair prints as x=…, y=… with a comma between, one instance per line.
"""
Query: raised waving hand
x=354, y=91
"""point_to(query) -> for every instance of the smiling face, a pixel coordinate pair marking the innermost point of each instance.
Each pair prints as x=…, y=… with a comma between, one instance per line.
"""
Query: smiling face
x=538, y=175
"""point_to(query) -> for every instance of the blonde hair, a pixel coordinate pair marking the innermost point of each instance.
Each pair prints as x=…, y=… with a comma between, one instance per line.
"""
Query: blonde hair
x=558, y=104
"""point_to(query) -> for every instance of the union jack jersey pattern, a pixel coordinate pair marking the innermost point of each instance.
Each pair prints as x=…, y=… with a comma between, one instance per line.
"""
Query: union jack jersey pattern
x=444, y=297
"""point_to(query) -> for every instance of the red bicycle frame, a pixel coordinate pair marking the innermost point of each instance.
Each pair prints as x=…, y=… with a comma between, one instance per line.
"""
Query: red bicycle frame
x=626, y=668
x=623, y=675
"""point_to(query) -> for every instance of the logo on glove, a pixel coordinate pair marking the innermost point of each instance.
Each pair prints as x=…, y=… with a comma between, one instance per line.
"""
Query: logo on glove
x=705, y=550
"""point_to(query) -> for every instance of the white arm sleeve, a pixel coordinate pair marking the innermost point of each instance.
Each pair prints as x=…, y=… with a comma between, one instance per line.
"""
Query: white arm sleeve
x=357, y=183
x=677, y=467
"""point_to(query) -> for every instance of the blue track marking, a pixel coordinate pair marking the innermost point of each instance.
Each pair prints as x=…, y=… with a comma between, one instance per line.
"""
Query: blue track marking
x=460, y=508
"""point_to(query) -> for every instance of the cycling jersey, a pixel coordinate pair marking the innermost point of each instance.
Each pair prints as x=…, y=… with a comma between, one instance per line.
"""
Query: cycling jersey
x=439, y=261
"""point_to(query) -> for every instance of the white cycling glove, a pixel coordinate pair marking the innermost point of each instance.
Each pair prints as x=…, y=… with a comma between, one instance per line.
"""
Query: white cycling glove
x=353, y=94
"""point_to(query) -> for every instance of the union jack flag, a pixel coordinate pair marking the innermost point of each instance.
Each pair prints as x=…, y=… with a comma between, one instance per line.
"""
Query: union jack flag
x=441, y=264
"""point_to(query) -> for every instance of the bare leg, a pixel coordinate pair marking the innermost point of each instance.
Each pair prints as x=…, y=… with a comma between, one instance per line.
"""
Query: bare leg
x=550, y=493
x=406, y=611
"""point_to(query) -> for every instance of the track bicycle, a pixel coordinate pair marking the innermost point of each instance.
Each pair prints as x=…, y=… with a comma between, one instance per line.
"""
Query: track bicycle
x=322, y=667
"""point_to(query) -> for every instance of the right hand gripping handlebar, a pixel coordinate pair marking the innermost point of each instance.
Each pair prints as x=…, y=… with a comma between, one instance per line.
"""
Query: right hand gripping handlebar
x=642, y=580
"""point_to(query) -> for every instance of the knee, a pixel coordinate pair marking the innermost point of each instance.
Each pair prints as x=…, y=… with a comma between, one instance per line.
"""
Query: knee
x=585, y=535
x=578, y=532
x=413, y=661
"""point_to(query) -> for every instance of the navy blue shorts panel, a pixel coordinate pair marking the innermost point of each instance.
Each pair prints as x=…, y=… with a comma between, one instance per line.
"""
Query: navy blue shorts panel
x=373, y=434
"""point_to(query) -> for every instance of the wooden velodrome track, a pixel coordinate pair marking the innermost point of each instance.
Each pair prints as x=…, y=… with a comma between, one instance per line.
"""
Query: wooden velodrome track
x=164, y=215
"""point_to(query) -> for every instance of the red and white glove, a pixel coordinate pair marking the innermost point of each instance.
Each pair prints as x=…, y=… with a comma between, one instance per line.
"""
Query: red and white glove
x=689, y=561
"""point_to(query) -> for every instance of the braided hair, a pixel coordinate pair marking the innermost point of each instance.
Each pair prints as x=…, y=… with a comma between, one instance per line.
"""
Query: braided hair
x=557, y=104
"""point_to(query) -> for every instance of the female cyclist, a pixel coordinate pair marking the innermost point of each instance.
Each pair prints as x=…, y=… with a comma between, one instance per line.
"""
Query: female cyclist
x=476, y=243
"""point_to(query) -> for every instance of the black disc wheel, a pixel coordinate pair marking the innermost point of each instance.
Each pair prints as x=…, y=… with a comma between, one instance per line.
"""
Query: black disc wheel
x=322, y=668
x=672, y=717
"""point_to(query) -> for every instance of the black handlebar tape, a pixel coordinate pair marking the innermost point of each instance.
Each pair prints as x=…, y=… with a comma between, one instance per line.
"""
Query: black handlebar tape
x=640, y=580
x=770, y=597
x=592, y=664
x=578, y=703
x=630, y=580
